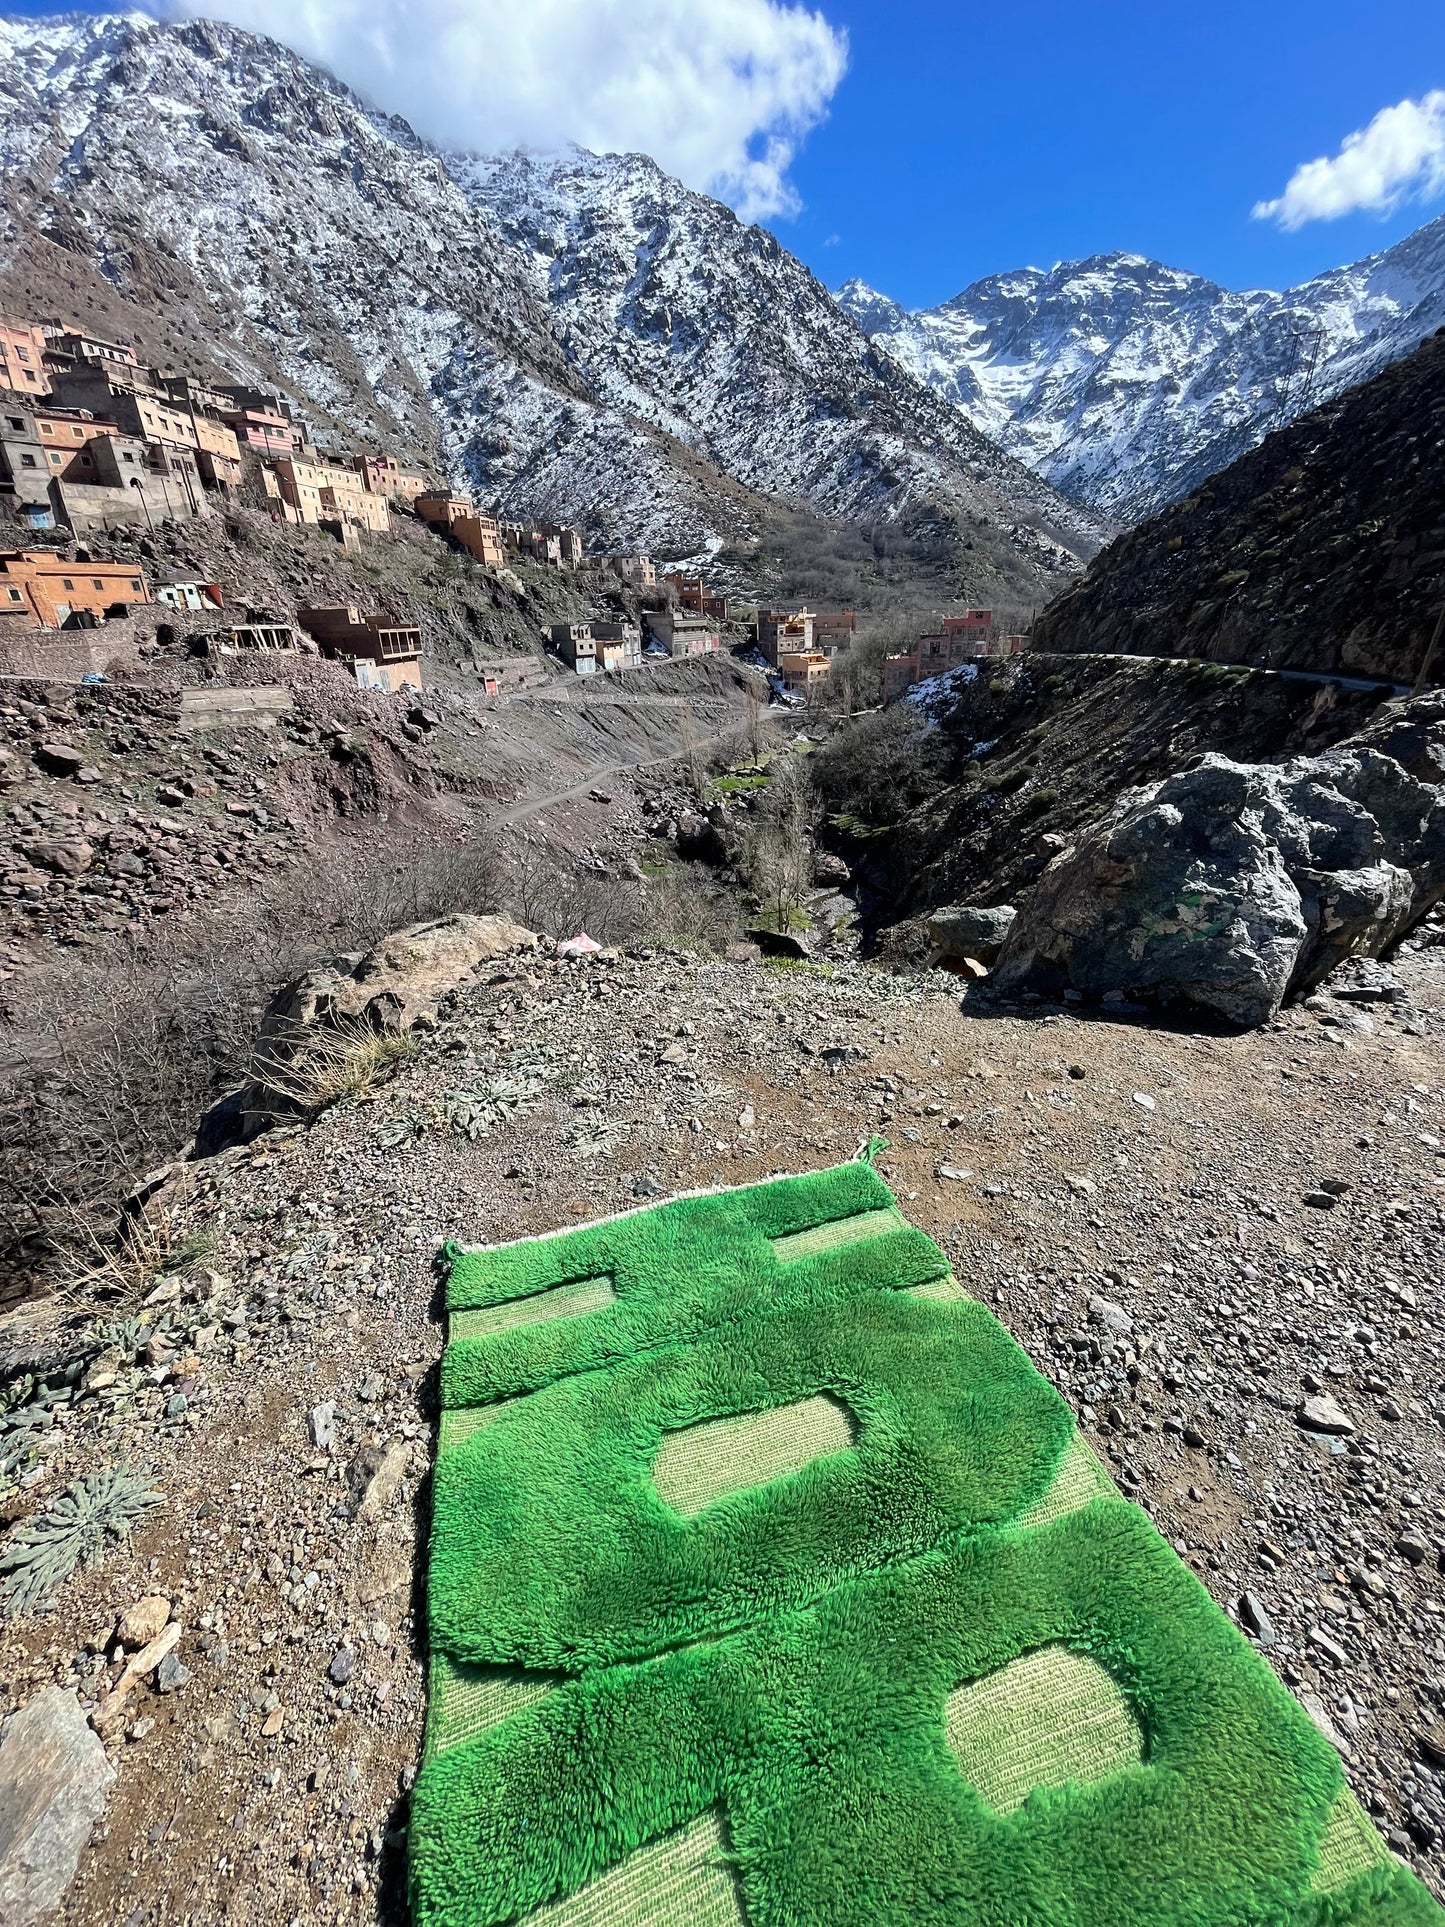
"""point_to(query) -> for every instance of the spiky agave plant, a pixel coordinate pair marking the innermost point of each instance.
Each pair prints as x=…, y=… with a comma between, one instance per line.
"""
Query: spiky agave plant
x=97, y=1511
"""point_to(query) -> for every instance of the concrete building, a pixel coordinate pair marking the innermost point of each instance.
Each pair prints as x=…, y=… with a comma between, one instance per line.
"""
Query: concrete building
x=41, y=590
x=785, y=632
x=619, y=645
x=22, y=358
x=804, y=671
x=682, y=634
x=24, y=468
x=576, y=645
x=189, y=594
x=109, y=393
x=382, y=653
x=67, y=436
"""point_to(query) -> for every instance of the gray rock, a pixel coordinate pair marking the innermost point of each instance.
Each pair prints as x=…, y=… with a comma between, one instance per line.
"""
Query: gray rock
x=1322, y=1414
x=1255, y=1619
x=962, y=930
x=53, y=1781
x=1112, y=1317
x=342, y=1666
x=1232, y=885
x=172, y=1674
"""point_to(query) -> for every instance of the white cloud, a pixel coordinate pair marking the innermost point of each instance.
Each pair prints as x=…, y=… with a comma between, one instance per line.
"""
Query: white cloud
x=1399, y=156
x=719, y=92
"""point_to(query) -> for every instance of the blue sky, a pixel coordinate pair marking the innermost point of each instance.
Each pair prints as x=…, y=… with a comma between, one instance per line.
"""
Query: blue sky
x=954, y=138
x=966, y=139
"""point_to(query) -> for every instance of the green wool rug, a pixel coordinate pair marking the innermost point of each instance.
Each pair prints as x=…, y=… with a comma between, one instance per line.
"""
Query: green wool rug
x=772, y=1586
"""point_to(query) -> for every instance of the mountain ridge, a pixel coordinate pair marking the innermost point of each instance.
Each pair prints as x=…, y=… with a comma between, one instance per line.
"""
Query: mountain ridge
x=1126, y=382
x=576, y=336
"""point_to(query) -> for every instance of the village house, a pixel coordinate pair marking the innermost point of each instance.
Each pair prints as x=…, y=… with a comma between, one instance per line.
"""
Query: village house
x=682, y=634
x=968, y=637
x=480, y=535
x=189, y=593
x=381, y=652
x=384, y=475
x=785, y=632
x=67, y=349
x=317, y=491
x=834, y=632
x=264, y=432
x=638, y=570
x=24, y=468
x=619, y=645
x=804, y=670
x=66, y=435
x=692, y=593
x=552, y=544
x=575, y=644
x=246, y=638
x=22, y=358
x=41, y=590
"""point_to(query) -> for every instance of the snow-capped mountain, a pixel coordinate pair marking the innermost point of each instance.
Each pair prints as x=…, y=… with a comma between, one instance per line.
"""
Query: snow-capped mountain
x=580, y=336
x=1125, y=383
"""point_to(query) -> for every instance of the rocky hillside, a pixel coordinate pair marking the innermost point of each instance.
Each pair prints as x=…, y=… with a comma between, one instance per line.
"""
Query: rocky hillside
x=1322, y=550
x=585, y=338
x=1125, y=383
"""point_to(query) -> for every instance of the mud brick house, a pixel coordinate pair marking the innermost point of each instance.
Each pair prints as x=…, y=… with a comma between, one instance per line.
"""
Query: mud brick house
x=40, y=590
x=320, y=491
x=692, y=593
x=22, y=358
x=958, y=639
x=262, y=431
x=480, y=535
x=385, y=476
x=638, y=570
x=67, y=436
x=381, y=652
x=70, y=349
x=834, y=632
x=682, y=634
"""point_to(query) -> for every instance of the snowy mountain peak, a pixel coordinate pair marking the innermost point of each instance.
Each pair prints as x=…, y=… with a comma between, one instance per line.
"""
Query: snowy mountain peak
x=576, y=334
x=1125, y=382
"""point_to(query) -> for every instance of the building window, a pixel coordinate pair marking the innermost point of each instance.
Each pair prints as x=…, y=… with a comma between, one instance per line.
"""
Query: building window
x=27, y=461
x=15, y=595
x=96, y=583
x=22, y=354
x=66, y=583
x=15, y=421
x=135, y=588
x=56, y=460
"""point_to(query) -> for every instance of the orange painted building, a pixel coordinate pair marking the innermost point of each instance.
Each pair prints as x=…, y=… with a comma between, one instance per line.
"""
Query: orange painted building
x=39, y=590
x=22, y=358
x=384, y=475
x=65, y=437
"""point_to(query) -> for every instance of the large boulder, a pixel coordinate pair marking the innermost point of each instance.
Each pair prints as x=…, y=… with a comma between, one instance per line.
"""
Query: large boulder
x=1233, y=885
x=962, y=930
x=395, y=987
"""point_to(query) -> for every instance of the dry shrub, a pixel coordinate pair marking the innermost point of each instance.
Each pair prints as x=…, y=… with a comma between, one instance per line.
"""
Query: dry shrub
x=334, y=1062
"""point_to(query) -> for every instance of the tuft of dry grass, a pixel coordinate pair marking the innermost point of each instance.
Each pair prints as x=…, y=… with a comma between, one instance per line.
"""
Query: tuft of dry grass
x=333, y=1064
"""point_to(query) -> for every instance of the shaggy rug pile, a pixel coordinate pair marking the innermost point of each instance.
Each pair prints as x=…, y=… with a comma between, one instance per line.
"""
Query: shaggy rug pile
x=772, y=1586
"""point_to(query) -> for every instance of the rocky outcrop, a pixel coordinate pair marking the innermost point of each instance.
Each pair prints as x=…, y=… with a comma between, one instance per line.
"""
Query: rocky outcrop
x=1323, y=550
x=54, y=1776
x=392, y=989
x=1231, y=886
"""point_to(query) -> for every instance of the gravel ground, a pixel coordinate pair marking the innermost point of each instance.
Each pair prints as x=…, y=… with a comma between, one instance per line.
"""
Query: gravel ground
x=1162, y=1176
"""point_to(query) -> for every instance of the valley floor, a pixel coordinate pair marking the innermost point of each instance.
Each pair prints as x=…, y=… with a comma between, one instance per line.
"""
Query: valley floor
x=270, y=1784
